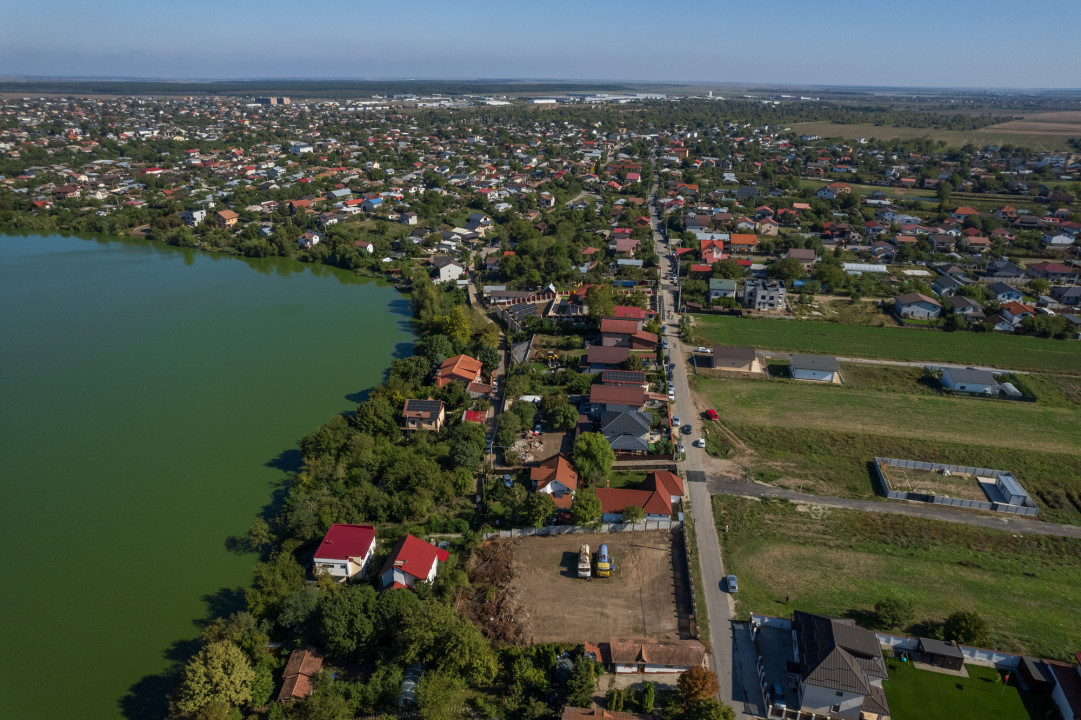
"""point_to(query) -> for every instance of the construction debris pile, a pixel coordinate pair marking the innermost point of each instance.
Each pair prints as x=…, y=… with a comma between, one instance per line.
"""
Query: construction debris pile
x=487, y=603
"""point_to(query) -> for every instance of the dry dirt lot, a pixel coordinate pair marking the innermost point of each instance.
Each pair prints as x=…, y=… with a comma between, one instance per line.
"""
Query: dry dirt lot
x=647, y=596
x=929, y=482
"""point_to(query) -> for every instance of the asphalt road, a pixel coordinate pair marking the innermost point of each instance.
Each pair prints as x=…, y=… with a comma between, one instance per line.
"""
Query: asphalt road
x=733, y=654
x=721, y=485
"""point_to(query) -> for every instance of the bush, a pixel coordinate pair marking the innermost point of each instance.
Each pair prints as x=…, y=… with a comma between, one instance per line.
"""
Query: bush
x=893, y=613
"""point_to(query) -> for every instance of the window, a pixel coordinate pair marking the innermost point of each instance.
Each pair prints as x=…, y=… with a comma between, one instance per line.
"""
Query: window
x=840, y=694
x=836, y=708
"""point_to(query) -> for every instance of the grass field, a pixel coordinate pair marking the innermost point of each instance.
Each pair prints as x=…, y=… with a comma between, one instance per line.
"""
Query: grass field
x=1003, y=135
x=868, y=189
x=822, y=438
x=924, y=695
x=894, y=343
x=927, y=416
x=841, y=562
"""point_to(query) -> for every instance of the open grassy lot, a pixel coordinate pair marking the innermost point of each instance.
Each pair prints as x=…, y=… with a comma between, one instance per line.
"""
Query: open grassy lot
x=894, y=343
x=868, y=189
x=980, y=421
x=1005, y=134
x=822, y=438
x=841, y=562
x=924, y=695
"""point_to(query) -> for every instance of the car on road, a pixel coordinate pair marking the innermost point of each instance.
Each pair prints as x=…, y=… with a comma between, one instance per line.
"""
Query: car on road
x=732, y=583
x=703, y=350
x=686, y=429
x=680, y=447
x=675, y=421
x=671, y=396
x=711, y=414
x=700, y=443
x=664, y=343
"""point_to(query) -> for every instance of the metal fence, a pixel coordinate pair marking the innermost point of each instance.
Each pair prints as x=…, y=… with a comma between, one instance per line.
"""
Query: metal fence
x=1028, y=509
x=647, y=526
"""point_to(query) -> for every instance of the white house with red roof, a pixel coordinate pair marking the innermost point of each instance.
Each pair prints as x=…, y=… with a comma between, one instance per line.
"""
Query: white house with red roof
x=412, y=560
x=345, y=550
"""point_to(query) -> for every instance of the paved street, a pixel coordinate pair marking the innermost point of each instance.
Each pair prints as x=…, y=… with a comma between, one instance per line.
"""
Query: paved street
x=722, y=485
x=733, y=653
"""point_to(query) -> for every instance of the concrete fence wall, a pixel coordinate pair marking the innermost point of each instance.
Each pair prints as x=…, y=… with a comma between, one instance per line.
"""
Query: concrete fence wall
x=1028, y=509
x=646, y=526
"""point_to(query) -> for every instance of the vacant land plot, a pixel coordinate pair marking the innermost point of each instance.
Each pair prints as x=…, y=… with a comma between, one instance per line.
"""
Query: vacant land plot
x=646, y=596
x=841, y=562
x=924, y=695
x=932, y=416
x=929, y=482
x=994, y=135
x=822, y=438
x=894, y=343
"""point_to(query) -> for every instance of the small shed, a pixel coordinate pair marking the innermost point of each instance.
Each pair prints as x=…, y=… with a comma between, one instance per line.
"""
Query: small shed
x=1036, y=674
x=1011, y=490
x=941, y=654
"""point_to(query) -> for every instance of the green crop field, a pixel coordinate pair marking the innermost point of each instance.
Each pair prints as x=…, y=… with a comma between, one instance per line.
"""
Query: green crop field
x=925, y=695
x=894, y=343
x=841, y=562
x=822, y=438
x=953, y=138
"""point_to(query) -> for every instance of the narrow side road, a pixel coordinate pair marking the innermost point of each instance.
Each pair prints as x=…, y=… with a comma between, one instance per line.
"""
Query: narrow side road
x=723, y=485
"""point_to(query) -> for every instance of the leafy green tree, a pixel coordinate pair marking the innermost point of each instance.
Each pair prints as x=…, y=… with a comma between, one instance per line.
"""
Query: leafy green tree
x=376, y=416
x=219, y=673
x=585, y=507
x=437, y=348
x=593, y=456
x=646, y=698
x=539, y=509
x=580, y=684
x=275, y=579
x=345, y=622
x=564, y=417
x=527, y=411
x=440, y=696
x=510, y=424
x=410, y=372
x=633, y=514
x=787, y=269
x=298, y=612
x=966, y=627
x=613, y=700
x=728, y=269
x=708, y=708
x=633, y=362
x=489, y=358
x=259, y=535
x=1039, y=286
x=600, y=301
x=894, y=613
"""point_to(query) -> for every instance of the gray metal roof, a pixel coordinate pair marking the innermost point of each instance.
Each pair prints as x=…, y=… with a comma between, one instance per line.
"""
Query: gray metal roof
x=728, y=352
x=822, y=363
x=937, y=647
x=971, y=375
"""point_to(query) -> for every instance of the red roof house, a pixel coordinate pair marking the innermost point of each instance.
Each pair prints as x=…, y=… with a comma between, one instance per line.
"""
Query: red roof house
x=412, y=560
x=345, y=550
x=460, y=367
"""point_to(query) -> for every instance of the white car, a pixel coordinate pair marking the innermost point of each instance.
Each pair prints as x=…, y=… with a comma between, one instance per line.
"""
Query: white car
x=700, y=443
x=703, y=350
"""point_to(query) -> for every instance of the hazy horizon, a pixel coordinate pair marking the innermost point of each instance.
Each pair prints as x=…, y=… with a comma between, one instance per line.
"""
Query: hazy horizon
x=843, y=44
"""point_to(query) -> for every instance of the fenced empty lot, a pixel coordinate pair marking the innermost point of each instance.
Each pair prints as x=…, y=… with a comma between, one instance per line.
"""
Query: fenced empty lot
x=647, y=595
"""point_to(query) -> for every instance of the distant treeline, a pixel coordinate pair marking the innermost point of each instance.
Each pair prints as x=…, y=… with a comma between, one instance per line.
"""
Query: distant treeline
x=300, y=88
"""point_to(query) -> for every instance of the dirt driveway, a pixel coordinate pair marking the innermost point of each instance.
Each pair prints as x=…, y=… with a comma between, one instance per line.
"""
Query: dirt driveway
x=647, y=596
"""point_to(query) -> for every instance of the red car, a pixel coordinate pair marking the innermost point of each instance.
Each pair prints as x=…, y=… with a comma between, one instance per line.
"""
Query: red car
x=711, y=415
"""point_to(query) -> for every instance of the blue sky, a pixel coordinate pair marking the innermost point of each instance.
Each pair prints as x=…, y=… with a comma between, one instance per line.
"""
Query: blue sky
x=953, y=43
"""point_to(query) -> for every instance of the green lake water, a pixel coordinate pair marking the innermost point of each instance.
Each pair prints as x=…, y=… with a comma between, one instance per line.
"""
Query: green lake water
x=150, y=398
